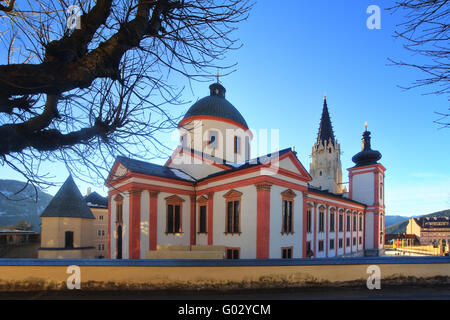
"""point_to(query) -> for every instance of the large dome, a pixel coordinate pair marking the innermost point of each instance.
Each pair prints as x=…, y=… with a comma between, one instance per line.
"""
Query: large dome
x=215, y=105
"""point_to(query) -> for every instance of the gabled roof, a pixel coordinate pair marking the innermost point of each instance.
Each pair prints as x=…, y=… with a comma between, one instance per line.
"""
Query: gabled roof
x=248, y=164
x=152, y=169
x=205, y=157
x=96, y=201
x=68, y=203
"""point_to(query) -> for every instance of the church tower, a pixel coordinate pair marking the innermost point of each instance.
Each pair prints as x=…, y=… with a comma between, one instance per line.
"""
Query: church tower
x=325, y=168
x=367, y=186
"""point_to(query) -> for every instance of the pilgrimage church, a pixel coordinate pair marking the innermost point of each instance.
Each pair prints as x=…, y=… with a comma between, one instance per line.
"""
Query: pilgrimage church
x=212, y=200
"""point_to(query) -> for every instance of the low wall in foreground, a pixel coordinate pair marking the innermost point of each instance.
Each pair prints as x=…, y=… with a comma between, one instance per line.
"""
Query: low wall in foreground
x=37, y=274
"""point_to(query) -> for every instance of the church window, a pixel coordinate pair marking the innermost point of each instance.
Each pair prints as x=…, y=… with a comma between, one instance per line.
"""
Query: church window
x=340, y=243
x=332, y=222
x=354, y=241
x=308, y=221
x=184, y=140
x=237, y=145
x=320, y=245
x=360, y=223
x=119, y=208
x=286, y=253
x=331, y=244
x=213, y=139
x=233, y=211
x=233, y=253
x=202, y=228
x=174, y=215
x=341, y=223
x=360, y=240
x=232, y=217
x=173, y=218
x=287, y=223
x=354, y=223
x=348, y=223
x=348, y=242
x=329, y=150
x=287, y=217
x=68, y=239
x=321, y=221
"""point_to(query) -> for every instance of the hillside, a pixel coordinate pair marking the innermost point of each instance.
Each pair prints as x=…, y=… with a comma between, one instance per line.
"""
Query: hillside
x=390, y=220
x=400, y=227
x=21, y=206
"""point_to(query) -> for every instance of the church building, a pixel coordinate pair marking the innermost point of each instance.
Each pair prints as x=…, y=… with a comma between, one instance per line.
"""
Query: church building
x=211, y=199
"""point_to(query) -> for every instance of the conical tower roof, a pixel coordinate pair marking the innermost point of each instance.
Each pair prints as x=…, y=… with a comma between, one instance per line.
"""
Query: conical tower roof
x=68, y=203
x=325, y=128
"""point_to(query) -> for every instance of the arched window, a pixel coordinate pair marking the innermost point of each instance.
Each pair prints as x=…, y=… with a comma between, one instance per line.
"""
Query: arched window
x=119, y=208
x=202, y=214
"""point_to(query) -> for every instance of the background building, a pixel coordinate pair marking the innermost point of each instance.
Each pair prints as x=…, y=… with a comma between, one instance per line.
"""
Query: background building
x=67, y=226
x=99, y=208
x=430, y=230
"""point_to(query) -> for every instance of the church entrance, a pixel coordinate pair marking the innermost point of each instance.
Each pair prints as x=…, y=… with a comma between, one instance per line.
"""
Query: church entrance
x=119, y=242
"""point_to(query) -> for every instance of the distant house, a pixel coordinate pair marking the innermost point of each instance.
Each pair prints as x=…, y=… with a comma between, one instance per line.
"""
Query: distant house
x=73, y=226
x=8, y=237
x=99, y=208
x=67, y=226
x=402, y=239
x=430, y=230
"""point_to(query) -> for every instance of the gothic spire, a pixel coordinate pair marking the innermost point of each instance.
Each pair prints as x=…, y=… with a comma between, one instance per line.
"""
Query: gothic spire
x=325, y=129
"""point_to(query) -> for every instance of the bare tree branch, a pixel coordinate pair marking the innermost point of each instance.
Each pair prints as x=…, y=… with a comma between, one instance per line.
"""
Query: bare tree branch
x=86, y=95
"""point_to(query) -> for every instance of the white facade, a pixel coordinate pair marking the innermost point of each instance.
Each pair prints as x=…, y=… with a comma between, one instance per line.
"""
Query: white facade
x=252, y=209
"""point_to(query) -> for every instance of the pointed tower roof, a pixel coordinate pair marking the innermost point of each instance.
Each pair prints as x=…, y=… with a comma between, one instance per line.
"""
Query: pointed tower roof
x=325, y=129
x=68, y=203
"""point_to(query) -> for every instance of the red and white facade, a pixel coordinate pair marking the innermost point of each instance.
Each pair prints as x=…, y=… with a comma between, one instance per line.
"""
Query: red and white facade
x=259, y=210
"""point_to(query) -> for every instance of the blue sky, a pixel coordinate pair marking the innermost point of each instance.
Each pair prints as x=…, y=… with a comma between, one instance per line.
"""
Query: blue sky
x=295, y=51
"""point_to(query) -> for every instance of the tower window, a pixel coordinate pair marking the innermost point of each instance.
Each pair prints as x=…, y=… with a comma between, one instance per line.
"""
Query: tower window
x=329, y=150
x=320, y=173
x=237, y=145
x=213, y=139
x=184, y=141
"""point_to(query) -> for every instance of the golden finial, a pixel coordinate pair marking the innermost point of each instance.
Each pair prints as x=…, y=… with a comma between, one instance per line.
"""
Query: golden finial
x=365, y=125
x=217, y=75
